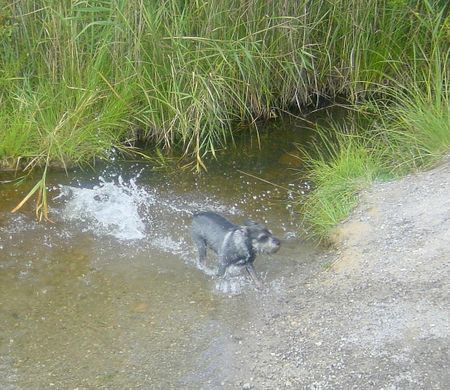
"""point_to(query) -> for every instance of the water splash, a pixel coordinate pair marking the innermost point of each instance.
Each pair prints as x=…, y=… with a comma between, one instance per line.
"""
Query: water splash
x=130, y=211
x=235, y=282
x=109, y=208
x=231, y=286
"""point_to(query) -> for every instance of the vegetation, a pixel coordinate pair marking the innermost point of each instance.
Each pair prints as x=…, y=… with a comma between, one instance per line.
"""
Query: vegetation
x=341, y=163
x=78, y=78
x=405, y=126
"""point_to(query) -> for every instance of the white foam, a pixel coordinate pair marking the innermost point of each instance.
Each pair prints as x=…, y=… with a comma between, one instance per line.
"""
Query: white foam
x=109, y=208
x=231, y=286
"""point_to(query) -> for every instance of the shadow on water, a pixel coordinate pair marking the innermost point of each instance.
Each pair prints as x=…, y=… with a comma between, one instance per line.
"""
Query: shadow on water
x=109, y=294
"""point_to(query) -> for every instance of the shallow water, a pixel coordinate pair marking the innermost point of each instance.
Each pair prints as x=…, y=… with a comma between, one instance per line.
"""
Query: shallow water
x=109, y=295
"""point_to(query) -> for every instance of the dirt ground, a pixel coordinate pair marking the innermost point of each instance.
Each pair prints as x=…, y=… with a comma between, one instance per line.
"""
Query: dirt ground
x=375, y=311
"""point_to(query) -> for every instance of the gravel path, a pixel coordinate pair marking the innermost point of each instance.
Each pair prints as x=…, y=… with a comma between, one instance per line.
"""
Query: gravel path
x=375, y=314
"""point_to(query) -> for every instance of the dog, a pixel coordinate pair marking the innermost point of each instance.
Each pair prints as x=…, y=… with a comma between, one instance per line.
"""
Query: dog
x=234, y=244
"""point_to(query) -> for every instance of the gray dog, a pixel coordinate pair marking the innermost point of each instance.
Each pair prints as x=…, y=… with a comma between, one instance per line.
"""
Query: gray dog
x=234, y=244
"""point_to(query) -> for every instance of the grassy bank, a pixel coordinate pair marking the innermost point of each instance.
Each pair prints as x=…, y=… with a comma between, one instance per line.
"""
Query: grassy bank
x=78, y=78
x=407, y=127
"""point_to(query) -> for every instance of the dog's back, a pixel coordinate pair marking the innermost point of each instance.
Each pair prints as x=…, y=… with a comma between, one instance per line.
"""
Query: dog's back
x=212, y=228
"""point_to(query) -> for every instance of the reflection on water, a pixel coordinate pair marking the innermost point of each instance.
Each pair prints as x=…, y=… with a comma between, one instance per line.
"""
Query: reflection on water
x=109, y=294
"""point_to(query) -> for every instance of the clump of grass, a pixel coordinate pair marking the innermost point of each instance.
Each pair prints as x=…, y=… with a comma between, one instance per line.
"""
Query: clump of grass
x=40, y=189
x=62, y=103
x=341, y=164
x=416, y=133
x=415, y=121
x=409, y=132
x=62, y=126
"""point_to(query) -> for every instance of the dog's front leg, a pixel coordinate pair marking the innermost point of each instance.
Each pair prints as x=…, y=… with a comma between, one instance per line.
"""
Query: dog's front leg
x=222, y=267
x=251, y=271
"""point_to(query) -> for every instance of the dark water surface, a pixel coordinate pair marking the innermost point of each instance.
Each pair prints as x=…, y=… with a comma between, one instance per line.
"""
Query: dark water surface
x=109, y=295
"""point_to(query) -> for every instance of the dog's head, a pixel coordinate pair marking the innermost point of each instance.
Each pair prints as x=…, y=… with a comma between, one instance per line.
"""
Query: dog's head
x=262, y=239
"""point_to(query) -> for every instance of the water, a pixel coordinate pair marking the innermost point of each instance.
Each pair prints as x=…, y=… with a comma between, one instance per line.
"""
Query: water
x=109, y=294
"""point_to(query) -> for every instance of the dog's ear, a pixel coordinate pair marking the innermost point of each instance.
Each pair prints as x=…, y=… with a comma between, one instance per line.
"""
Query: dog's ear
x=241, y=235
x=244, y=230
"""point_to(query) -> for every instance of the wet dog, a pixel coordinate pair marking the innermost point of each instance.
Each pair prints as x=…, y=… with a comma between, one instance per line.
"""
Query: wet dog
x=234, y=244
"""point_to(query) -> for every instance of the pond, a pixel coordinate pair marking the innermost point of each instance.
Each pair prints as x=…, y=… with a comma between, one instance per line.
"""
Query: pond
x=109, y=295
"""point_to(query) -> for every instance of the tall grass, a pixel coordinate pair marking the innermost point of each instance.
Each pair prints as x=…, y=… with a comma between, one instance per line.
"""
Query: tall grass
x=90, y=74
x=180, y=72
x=407, y=127
x=62, y=101
x=416, y=121
x=342, y=162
